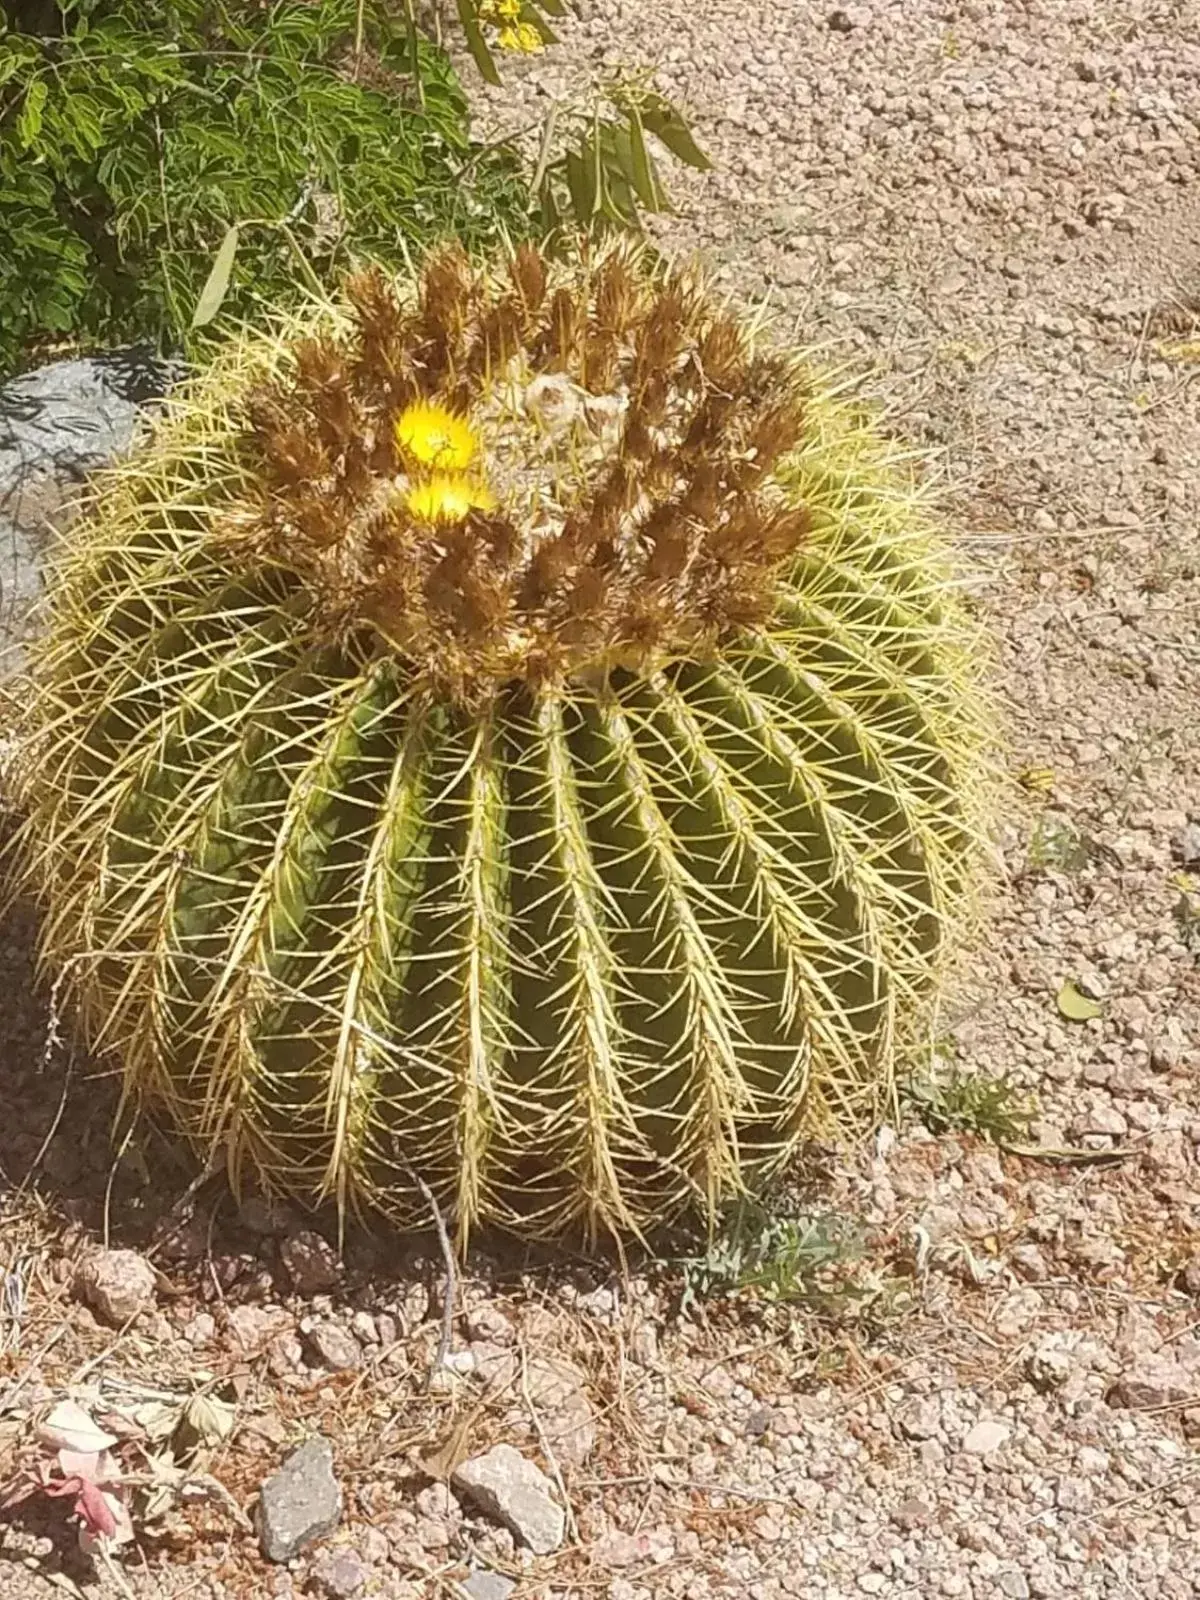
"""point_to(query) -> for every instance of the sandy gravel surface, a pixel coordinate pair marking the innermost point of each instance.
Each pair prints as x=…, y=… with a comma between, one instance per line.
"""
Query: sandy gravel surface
x=991, y=209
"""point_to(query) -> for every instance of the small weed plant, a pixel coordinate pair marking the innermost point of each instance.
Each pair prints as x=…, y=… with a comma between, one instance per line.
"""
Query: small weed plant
x=759, y=1254
x=968, y=1102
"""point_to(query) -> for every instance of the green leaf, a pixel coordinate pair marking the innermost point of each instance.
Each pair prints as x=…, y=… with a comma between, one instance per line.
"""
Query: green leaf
x=13, y=60
x=640, y=170
x=579, y=183
x=1077, y=1006
x=217, y=283
x=620, y=199
x=594, y=155
x=666, y=124
x=551, y=216
x=29, y=123
x=552, y=8
x=476, y=43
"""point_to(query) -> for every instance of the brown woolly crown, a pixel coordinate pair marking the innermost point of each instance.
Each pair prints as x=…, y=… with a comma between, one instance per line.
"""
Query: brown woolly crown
x=533, y=478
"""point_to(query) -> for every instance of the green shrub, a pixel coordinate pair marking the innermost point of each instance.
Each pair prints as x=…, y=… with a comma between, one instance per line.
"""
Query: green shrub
x=134, y=135
x=517, y=735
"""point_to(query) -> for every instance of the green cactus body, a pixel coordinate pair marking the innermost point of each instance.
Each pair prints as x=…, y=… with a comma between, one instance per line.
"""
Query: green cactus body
x=570, y=814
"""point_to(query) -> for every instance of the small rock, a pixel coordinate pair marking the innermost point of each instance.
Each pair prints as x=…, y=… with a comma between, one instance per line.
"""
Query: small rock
x=436, y=1502
x=600, y=1303
x=1049, y=1366
x=285, y=1354
x=115, y=1284
x=1186, y=845
x=489, y=1325
x=872, y=1582
x=1029, y=1262
x=557, y=1390
x=362, y=1326
x=643, y=1344
x=327, y=1344
x=911, y=1514
x=433, y=1533
x=299, y=1503
x=504, y=1485
x=1013, y=1584
x=202, y=1329
x=921, y=1418
x=985, y=1437
x=339, y=1574
x=758, y=1423
x=254, y=1327
x=617, y=1549
x=1101, y=1117
x=844, y=19
x=1152, y=1382
x=482, y=1585
x=310, y=1262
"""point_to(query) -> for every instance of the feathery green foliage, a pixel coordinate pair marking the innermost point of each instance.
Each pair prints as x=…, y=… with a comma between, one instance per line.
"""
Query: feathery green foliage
x=135, y=136
x=520, y=732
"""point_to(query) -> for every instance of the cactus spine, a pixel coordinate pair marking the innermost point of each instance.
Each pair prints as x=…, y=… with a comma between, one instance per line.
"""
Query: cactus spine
x=522, y=733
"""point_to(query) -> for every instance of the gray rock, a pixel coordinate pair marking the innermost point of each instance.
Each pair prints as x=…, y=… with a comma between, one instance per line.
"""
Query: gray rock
x=921, y=1418
x=300, y=1503
x=116, y=1284
x=57, y=425
x=328, y=1344
x=1049, y=1364
x=311, y=1262
x=504, y=1485
x=488, y=1586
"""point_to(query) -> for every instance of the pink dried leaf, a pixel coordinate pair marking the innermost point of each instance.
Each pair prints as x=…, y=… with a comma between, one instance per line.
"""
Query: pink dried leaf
x=96, y=1509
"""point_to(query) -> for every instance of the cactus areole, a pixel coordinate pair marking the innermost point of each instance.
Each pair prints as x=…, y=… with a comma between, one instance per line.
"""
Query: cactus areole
x=515, y=734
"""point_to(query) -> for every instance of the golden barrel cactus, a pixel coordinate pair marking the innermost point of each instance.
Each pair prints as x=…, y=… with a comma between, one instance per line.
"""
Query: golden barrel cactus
x=515, y=734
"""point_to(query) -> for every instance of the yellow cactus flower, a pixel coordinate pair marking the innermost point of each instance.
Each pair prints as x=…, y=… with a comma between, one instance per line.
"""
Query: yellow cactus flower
x=436, y=437
x=499, y=10
x=446, y=497
x=523, y=37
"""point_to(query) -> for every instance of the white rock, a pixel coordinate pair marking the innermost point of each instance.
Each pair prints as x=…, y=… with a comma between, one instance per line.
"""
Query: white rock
x=504, y=1485
x=986, y=1436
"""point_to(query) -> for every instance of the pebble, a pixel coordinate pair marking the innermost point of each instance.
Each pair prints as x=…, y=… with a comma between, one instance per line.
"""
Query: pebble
x=339, y=1574
x=329, y=1345
x=1186, y=844
x=1013, y=1584
x=986, y=1437
x=480, y=1585
x=115, y=1284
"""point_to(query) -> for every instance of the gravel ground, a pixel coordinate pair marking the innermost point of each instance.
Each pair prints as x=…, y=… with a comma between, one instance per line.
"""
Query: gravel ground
x=991, y=208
